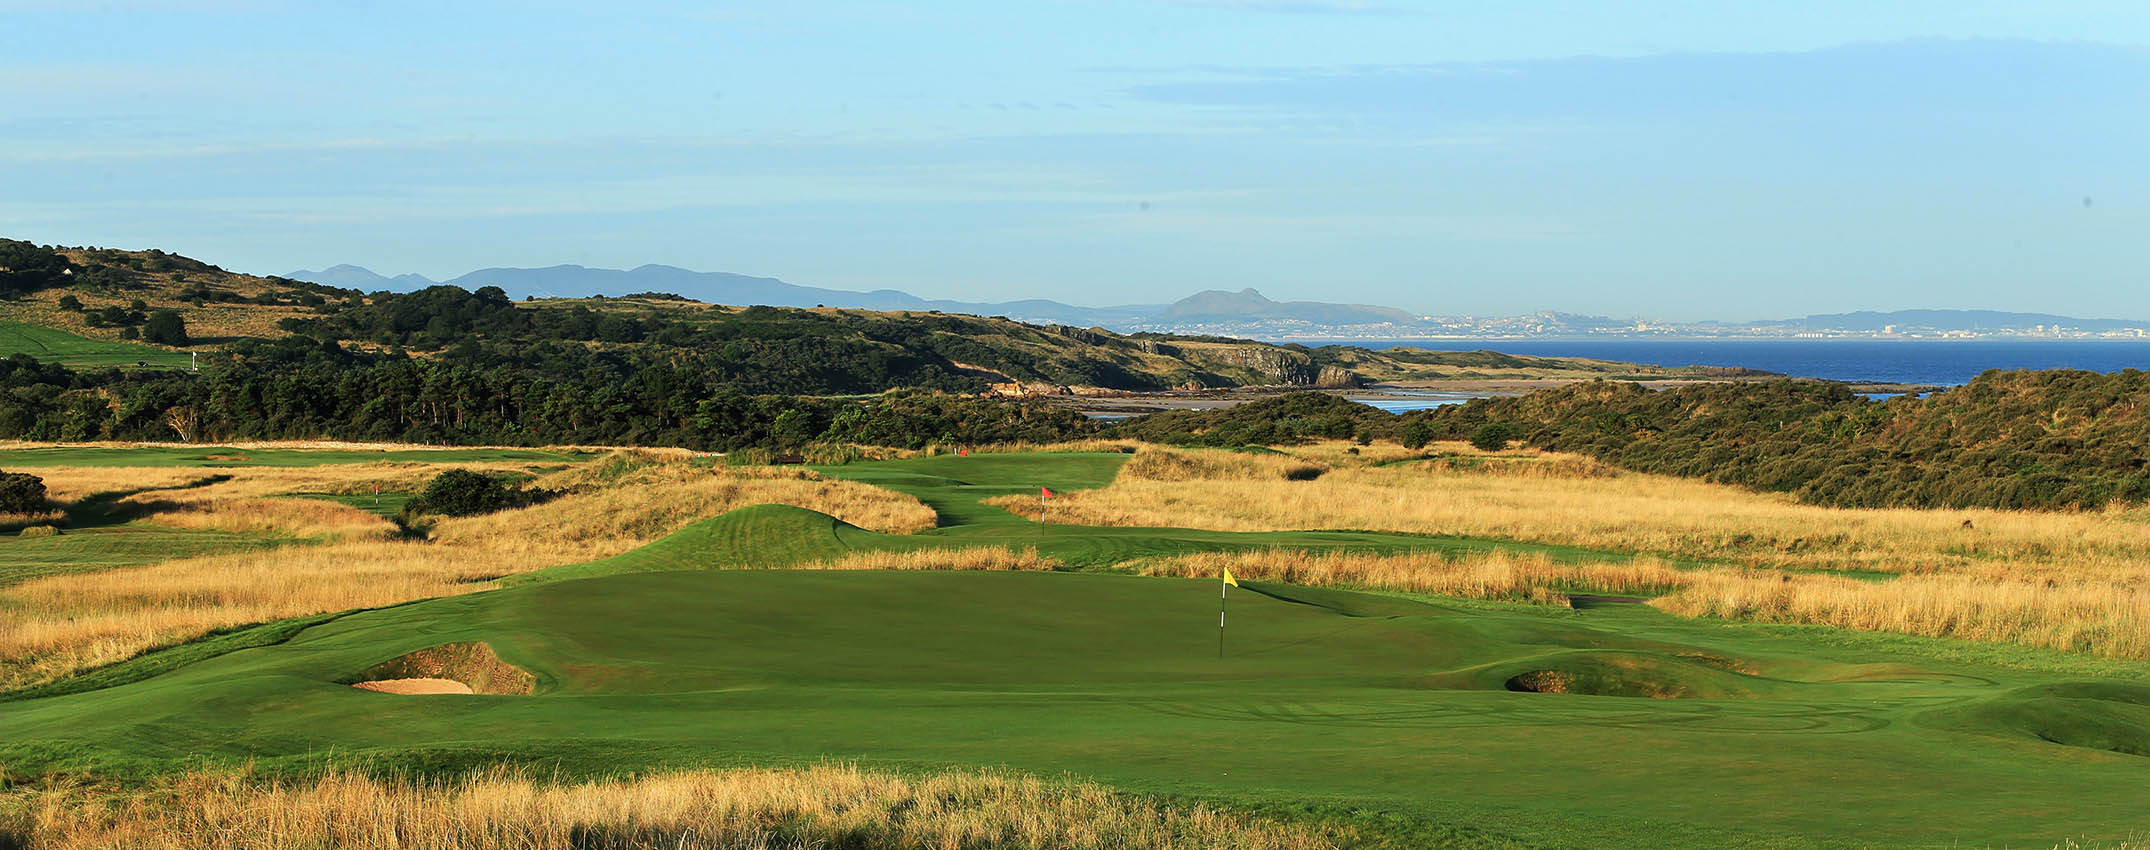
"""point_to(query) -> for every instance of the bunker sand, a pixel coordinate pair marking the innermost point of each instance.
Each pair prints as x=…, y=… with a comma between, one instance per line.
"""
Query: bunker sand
x=414, y=686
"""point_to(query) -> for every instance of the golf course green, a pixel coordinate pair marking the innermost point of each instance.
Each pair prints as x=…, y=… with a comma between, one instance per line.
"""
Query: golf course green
x=1436, y=722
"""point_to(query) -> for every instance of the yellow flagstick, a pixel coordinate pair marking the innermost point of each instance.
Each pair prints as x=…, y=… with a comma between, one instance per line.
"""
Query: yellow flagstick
x=1228, y=582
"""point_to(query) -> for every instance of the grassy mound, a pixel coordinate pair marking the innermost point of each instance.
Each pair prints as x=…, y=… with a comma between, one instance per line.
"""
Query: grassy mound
x=734, y=541
x=472, y=663
x=1635, y=674
x=2114, y=717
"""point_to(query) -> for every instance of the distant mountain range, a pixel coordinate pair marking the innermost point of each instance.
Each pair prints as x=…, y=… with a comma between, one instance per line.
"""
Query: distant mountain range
x=1211, y=307
x=1242, y=313
x=1217, y=305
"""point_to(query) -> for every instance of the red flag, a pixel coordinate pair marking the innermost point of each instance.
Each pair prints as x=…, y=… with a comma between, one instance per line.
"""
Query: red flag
x=962, y=452
x=1045, y=492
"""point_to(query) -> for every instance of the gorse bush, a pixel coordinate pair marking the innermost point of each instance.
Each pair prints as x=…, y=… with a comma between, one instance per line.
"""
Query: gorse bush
x=1491, y=437
x=2025, y=439
x=461, y=492
x=165, y=327
x=21, y=493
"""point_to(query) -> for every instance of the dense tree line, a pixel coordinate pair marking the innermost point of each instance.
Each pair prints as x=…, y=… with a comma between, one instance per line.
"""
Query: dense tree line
x=28, y=267
x=300, y=388
x=2025, y=439
x=763, y=349
x=1282, y=420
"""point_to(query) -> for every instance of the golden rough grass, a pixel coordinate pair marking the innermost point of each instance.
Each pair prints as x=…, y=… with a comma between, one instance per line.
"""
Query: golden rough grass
x=55, y=626
x=204, y=324
x=2069, y=581
x=1562, y=499
x=242, y=499
x=1488, y=575
x=618, y=509
x=2098, y=618
x=297, y=517
x=1020, y=504
x=1094, y=445
x=972, y=558
x=826, y=806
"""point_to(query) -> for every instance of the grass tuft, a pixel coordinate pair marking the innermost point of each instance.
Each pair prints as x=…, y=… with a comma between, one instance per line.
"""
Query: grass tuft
x=819, y=807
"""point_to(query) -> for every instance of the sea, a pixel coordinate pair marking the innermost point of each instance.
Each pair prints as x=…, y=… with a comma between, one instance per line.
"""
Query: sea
x=1910, y=361
x=1907, y=361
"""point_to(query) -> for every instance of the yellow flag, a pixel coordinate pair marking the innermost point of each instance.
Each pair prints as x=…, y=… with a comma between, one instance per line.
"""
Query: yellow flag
x=1228, y=578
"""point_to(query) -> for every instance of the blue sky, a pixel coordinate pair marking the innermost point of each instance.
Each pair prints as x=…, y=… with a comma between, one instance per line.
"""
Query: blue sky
x=1664, y=159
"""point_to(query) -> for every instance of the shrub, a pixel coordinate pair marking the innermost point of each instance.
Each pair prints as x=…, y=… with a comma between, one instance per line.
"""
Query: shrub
x=165, y=327
x=21, y=493
x=461, y=492
x=1492, y=436
x=70, y=303
x=1416, y=434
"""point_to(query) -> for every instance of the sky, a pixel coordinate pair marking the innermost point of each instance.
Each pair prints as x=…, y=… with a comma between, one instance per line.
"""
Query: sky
x=1669, y=159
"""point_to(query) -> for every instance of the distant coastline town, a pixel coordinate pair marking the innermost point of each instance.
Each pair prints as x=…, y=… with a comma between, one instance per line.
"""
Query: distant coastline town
x=1553, y=325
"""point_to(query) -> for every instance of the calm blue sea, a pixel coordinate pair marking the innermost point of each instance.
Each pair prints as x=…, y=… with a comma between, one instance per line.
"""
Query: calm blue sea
x=1943, y=362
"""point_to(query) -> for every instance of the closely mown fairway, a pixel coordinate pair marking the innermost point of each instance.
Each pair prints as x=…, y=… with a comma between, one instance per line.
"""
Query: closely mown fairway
x=82, y=550
x=57, y=346
x=1326, y=701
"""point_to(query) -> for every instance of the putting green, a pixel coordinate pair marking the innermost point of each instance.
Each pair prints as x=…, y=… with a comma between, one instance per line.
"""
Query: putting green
x=1399, y=709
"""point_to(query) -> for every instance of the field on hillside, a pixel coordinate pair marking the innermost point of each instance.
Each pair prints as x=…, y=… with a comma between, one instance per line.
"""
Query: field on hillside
x=1423, y=651
x=57, y=346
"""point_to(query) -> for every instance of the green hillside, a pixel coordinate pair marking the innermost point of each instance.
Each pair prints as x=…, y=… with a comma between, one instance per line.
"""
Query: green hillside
x=57, y=346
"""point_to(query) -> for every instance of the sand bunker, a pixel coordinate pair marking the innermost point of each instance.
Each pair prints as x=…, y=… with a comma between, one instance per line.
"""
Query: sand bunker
x=415, y=686
x=451, y=668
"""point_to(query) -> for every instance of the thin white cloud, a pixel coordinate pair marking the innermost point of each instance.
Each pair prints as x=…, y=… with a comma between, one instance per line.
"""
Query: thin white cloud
x=1296, y=7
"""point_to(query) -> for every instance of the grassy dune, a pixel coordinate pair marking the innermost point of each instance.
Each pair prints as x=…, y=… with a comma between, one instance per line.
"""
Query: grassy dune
x=56, y=625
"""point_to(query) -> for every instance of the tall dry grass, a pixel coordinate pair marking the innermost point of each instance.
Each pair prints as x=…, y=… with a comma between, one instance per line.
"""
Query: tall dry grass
x=1564, y=499
x=2069, y=581
x=970, y=558
x=295, y=517
x=614, y=507
x=2090, y=617
x=252, y=500
x=827, y=806
x=55, y=626
x=1488, y=575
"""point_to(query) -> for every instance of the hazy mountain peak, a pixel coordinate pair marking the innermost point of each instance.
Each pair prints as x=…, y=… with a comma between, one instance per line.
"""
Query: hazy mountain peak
x=349, y=276
x=1217, y=305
